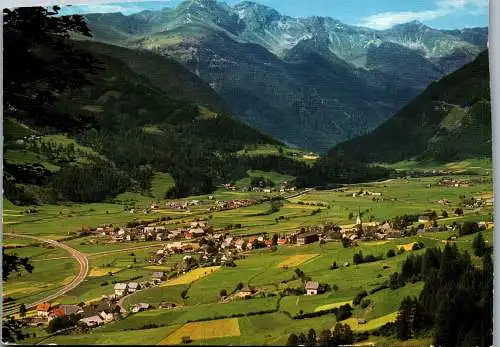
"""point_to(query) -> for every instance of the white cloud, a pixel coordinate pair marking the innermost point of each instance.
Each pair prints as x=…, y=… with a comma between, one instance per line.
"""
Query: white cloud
x=387, y=20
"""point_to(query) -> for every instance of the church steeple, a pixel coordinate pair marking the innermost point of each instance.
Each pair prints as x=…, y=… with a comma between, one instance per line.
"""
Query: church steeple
x=358, y=219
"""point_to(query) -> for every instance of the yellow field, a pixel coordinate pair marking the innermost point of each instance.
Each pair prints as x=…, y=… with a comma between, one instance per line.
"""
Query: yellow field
x=330, y=306
x=407, y=247
x=204, y=331
x=192, y=276
x=296, y=260
x=370, y=324
x=19, y=290
x=97, y=272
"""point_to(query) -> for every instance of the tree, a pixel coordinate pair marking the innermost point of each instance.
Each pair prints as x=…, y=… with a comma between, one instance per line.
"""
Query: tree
x=22, y=310
x=345, y=242
x=13, y=263
x=468, y=228
x=39, y=61
x=350, y=216
x=293, y=340
x=390, y=253
x=275, y=239
x=403, y=319
x=479, y=245
x=11, y=328
x=358, y=258
x=342, y=335
x=459, y=211
x=302, y=339
x=186, y=339
x=184, y=294
x=324, y=337
x=223, y=293
x=311, y=337
x=444, y=214
x=394, y=281
x=239, y=286
x=357, y=299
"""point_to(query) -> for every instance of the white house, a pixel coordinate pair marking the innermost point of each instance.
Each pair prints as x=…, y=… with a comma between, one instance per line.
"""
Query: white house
x=132, y=287
x=311, y=288
x=140, y=307
x=120, y=289
x=43, y=309
x=107, y=317
x=92, y=321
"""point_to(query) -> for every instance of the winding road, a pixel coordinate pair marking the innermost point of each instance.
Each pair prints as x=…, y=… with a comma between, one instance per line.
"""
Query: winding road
x=80, y=258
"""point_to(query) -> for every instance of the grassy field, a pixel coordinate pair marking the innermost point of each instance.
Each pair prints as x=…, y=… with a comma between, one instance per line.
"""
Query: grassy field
x=268, y=271
x=192, y=276
x=204, y=331
x=296, y=260
x=372, y=324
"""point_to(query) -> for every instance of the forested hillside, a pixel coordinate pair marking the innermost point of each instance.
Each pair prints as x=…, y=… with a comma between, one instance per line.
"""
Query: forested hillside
x=450, y=120
x=110, y=130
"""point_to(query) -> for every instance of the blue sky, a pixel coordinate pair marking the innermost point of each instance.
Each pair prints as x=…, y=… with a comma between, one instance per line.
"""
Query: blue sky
x=377, y=14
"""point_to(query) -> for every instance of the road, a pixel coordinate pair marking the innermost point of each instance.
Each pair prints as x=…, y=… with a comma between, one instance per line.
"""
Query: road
x=305, y=191
x=80, y=258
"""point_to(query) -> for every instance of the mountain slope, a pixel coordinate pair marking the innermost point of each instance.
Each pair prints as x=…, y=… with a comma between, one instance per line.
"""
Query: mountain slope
x=133, y=128
x=311, y=82
x=450, y=120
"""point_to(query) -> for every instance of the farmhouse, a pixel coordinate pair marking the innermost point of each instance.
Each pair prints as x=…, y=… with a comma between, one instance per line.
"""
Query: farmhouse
x=166, y=305
x=158, y=276
x=43, y=309
x=246, y=291
x=423, y=219
x=198, y=224
x=140, y=307
x=92, y=321
x=106, y=316
x=306, y=238
x=120, y=289
x=133, y=286
x=196, y=232
x=64, y=310
x=311, y=288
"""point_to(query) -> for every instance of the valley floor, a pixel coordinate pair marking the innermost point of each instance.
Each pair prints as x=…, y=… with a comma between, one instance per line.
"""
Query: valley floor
x=200, y=314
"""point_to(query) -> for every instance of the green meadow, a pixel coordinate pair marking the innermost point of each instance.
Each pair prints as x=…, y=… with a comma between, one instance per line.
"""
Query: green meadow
x=127, y=261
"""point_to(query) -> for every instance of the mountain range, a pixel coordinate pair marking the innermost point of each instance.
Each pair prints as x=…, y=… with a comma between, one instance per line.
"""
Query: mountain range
x=311, y=82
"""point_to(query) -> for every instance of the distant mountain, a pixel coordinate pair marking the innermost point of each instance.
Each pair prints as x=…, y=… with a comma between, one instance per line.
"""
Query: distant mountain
x=312, y=82
x=450, y=120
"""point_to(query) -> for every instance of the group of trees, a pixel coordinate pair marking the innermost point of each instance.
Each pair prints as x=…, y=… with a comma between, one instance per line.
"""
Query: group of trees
x=358, y=258
x=453, y=288
x=12, y=328
x=341, y=335
x=402, y=222
x=327, y=171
